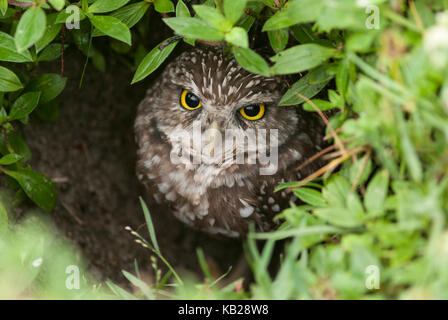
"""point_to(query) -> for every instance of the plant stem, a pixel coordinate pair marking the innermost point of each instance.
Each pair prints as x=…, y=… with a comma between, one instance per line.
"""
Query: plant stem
x=21, y=4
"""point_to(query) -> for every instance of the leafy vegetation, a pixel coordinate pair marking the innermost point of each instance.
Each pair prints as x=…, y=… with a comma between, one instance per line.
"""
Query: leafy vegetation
x=381, y=201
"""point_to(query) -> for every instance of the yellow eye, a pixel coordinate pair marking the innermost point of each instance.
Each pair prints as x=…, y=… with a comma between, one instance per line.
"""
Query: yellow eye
x=253, y=112
x=189, y=100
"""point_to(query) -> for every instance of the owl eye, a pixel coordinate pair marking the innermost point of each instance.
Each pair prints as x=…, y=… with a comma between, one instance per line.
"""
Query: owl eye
x=189, y=100
x=253, y=112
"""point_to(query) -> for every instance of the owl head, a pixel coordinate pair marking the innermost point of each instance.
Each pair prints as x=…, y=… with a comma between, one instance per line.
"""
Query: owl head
x=204, y=91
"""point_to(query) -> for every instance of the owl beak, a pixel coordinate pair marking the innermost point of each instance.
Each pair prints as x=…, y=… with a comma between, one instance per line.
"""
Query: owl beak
x=214, y=135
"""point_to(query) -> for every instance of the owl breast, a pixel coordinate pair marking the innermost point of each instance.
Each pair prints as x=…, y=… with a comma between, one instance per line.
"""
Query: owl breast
x=223, y=196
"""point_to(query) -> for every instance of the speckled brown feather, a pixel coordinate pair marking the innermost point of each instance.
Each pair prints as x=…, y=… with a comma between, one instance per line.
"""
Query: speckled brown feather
x=219, y=198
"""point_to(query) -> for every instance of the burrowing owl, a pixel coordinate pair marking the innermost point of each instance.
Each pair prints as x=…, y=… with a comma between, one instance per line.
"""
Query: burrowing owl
x=213, y=144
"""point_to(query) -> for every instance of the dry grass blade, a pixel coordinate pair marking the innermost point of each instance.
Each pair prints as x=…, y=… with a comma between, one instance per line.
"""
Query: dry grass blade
x=362, y=167
x=328, y=136
x=320, y=154
x=333, y=164
x=416, y=16
x=315, y=157
x=328, y=167
x=21, y=4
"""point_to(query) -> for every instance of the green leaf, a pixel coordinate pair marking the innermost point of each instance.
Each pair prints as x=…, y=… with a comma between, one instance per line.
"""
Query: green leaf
x=354, y=204
x=305, y=87
x=285, y=185
x=304, y=33
x=10, y=159
x=102, y=6
x=153, y=60
x=8, y=50
x=358, y=177
x=376, y=193
x=321, y=74
x=9, y=81
x=298, y=11
x=340, y=217
x=408, y=151
x=119, y=292
x=49, y=84
x=129, y=15
x=233, y=10
x=3, y=219
x=24, y=105
x=336, y=100
x=247, y=20
x=336, y=191
x=81, y=38
x=62, y=16
x=132, y=13
x=238, y=37
x=146, y=290
x=322, y=105
x=57, y=4
x=3, y=6
x=360, y=42
x=341, y=15
x=37, y=187
x=112, y=27
x=51, y=32
x=150, y=226
x=310, y=196
x=251, y=61
x=213, y=17
x=182, y=9
x=278, y=39
x=163, y=6
x=51, y=52
x=300, y=58
x=30, y=29
x=16, y=143
x=194, y=28
x=361, y=258
x=3, y=114
x=342, y=76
